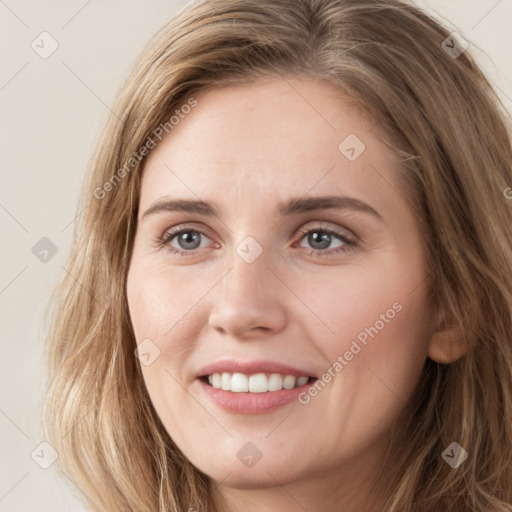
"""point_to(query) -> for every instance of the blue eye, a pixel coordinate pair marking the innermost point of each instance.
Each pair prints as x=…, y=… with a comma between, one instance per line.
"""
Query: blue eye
x=321, y=239
x=186, y=241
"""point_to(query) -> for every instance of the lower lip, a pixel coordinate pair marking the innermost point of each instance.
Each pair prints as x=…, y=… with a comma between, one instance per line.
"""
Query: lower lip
x=252, y=403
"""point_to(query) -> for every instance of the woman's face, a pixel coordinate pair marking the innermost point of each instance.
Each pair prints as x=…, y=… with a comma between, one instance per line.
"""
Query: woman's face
x=270, y=280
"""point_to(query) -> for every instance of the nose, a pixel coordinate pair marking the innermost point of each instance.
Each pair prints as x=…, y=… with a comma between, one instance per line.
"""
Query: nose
x=248, y=302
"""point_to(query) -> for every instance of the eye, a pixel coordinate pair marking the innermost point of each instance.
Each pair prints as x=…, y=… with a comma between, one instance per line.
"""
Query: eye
x=320, y=239
x=183, y=241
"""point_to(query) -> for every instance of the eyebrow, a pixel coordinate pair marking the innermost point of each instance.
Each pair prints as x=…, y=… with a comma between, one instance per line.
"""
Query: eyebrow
x=292, y=206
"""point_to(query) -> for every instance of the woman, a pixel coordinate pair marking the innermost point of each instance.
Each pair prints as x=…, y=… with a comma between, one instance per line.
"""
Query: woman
x=292, y=287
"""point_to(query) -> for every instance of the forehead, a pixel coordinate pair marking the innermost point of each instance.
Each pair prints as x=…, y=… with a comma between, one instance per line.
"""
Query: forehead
x=270, y=140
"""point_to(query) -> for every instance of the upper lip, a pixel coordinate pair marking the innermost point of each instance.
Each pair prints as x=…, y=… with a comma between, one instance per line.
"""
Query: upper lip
x=251, y=367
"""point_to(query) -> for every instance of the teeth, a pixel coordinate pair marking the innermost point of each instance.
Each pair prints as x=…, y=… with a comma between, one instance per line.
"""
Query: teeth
x=225, y=381
x=289, y=382
x=275, y=382
x=258, y=383
x=239, y=383
x=302, y=380
x=255, y=383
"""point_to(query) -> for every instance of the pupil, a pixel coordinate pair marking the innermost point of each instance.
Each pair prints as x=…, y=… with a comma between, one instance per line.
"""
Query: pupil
x=189, y=239
x=324, y=239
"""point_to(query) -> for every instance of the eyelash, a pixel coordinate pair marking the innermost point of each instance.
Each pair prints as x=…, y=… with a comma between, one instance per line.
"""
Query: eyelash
x=349, y=244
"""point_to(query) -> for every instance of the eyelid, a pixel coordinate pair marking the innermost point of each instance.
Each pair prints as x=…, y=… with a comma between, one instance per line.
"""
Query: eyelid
x=321, y=226
x=187, y=226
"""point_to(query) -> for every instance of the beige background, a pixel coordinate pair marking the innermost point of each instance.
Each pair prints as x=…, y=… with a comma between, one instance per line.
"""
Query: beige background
x=51, y=113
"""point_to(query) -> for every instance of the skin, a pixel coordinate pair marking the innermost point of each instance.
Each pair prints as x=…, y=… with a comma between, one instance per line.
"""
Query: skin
x=246, y=150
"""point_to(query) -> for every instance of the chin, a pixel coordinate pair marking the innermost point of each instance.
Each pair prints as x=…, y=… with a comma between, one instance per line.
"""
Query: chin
x=235, y=474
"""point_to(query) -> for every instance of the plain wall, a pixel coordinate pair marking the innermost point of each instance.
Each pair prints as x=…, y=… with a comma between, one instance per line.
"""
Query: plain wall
x=51, y=111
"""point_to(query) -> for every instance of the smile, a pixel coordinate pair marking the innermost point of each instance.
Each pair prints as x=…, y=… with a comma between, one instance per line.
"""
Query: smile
x=254, y=383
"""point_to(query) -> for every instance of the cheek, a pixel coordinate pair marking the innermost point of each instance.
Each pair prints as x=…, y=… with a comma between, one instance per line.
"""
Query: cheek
x=160, y=309
x=374, y=335
x=381, y=304
x=377, y=375
x=160, y=304
x=157, y=308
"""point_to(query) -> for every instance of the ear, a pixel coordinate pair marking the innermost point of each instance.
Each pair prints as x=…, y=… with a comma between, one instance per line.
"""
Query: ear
x=447, y=344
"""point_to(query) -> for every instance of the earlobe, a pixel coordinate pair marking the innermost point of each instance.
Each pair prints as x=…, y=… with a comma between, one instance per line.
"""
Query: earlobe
x=447, y=345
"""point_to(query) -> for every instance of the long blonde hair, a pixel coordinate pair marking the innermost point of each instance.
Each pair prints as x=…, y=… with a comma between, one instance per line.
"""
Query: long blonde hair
x=439, y=113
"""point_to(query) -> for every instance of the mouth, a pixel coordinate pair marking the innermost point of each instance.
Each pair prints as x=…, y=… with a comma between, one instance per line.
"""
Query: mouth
x=252, y=387
x=256, y=382
x=255, y=393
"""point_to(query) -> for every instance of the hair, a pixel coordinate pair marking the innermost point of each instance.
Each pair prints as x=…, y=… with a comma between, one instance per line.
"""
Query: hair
x=441, y=116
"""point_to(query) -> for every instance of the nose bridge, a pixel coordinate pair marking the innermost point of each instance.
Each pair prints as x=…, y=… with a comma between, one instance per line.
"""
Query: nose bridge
x=247, y=299
x=249, y=251
x=248, y=279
